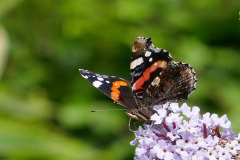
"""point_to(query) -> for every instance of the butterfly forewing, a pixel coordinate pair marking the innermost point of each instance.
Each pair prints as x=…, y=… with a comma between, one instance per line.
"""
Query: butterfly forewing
x=146, y=63
x=116, y=88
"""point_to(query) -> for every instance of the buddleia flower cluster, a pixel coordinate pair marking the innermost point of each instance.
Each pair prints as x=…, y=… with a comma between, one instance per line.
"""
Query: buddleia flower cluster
x=181, y=133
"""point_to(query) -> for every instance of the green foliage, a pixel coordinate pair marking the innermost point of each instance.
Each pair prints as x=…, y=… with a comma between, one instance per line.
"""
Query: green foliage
x=45, y=103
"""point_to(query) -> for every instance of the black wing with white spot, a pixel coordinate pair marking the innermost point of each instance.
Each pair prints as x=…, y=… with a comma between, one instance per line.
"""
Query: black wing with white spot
x=116, y=88
x=147, y=62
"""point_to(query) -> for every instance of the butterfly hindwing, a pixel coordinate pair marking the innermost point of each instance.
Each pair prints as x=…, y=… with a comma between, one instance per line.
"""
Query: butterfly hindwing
x=116, y=88
x=174, y=84
x=146, y=63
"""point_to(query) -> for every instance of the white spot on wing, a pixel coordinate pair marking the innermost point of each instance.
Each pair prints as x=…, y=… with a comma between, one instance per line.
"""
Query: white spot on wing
x=97, y=84
x=150, y=60
x=86, y=77
x=136, y=63
x=100, y=79
x=147, y=54
x=107, y=82
x=156, y=81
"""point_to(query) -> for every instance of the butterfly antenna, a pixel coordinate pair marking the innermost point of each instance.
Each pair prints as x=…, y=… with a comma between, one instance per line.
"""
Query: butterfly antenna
x=108, y=110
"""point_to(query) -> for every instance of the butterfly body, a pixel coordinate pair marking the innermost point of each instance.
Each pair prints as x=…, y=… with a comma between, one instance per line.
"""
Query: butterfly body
x=156, y=79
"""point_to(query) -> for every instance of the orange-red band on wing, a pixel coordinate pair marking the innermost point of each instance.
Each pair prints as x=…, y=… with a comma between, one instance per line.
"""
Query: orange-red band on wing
x=146, y=74
x=115, y=89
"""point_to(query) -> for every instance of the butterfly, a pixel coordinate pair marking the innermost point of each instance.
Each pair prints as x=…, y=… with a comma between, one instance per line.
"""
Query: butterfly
x=156, y=80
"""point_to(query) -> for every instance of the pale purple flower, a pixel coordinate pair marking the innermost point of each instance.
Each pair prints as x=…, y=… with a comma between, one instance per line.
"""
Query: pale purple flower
x=227, y=132
x=233, y=147
x=212, y=140
x=223, y=153
x=195, y=113
x=182, y=153
x=163, y=152
x=174, y=118
x=190, y=127
x=207, y=119
x=140, y=151
x=174, y=107
x=222, y=122
x=158, y=117
x=185, y=110
x=171, y=136
x=212, y=153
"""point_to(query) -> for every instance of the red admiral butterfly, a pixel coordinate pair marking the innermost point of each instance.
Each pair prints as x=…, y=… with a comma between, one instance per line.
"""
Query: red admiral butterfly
x=156, y=79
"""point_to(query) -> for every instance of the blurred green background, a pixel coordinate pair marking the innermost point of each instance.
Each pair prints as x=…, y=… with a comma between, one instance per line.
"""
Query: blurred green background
x=45, y=103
